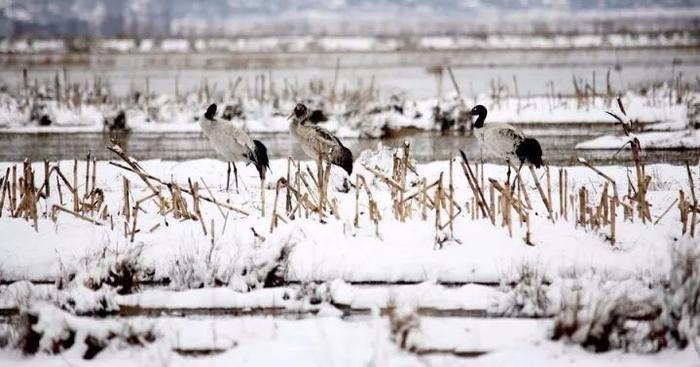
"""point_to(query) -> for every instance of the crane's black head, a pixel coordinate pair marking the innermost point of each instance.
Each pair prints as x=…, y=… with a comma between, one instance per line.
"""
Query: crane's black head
x=480, y=112
x=211, y=112
x=300, y=111
x=529, y=150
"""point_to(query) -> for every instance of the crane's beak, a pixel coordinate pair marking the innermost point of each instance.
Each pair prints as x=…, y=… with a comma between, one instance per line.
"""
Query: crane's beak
x=290, y=115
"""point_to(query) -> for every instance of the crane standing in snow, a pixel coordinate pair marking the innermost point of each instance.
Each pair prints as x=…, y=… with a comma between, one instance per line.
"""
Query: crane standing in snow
x=234, y=144
x=319, y=144
x=506, y=142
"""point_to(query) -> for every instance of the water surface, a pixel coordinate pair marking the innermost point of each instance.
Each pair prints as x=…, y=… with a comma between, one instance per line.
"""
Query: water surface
x=426, y=146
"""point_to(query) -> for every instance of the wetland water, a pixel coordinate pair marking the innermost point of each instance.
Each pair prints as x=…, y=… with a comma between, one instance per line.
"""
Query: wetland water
x=391, y=72
x=426, y=146
x=407, y=72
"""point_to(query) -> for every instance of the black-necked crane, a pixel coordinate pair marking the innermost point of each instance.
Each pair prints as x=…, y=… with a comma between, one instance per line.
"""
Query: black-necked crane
x=233, y=144
x=317, y=142
x=506, y=141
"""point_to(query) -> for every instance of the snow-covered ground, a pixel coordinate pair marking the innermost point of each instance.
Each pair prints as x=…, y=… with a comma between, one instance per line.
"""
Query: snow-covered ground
x=651, y=140
x=323, y=341
x=360, y=255
x=337, y=279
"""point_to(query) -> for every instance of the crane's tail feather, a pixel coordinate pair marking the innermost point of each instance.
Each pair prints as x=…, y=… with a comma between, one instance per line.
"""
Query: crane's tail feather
x=531, y=151
x=260, y=158
x=211, y=112
x=343, y=159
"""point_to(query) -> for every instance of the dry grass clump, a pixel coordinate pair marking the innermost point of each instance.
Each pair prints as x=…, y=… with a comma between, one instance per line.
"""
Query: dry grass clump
x=122, y=271
x=276, y=271
x=314, y=293
x=600, y=320
x=598, y=325
x=244, y=270
x=124, y=274
x=192, y=269
x=30, y=340
x=73, y=297
x=128, y=336
x=526, y=294
x=680, y=318
x=403, y=321
x=8, y=336
x=88, y=289
x=48, y=330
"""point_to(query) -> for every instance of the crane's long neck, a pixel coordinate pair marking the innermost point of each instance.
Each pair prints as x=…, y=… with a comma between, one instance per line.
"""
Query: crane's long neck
x=479, y=123
x=206, y=125
x=296, y=125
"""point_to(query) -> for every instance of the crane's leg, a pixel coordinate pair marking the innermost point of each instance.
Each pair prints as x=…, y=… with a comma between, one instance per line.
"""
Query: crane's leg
x=508, y=173
x=228, y=175
x=235, y=175
x=262, y=196
x=321, y=189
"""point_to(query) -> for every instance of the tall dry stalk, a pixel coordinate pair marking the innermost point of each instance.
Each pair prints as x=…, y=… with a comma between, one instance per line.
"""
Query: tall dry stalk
x=546, y=202
x=694, y=208
x=476, y=189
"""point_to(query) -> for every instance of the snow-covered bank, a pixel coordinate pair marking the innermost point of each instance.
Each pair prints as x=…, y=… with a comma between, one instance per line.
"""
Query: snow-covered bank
x=337, y=249
x=264, y=341
x=257, y=341
x=347, y=118
x=688, y=139
x=223, y=258
x=357, y=43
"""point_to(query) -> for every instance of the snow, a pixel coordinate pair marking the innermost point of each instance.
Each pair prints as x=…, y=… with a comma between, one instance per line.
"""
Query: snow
x=347, y=43
x=337, y=250
x=146, y=45
x=428, y=295
x=424, y=295
x=209, y=298
x=117, y=45
x=175, y=45
x=323, y=341
x=33, y=46
x=515, y=41
x=329, y=261
x=306, y=43
x=167, y=113
x=347, y=291
x=651, y=140
x=543, y=109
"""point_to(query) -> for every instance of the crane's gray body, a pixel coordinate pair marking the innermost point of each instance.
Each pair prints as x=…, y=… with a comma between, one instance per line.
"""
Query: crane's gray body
x=232, y=143
x=317, y=142
x=500, y=140
x=314, y=140
x=229, y=141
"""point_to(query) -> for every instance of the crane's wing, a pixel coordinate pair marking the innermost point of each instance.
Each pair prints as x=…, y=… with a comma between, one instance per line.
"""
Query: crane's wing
x=326, y=136
x=510, y=134
x=242, y=137
x=502, y=139
x=323, y=139
x=234, y=133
